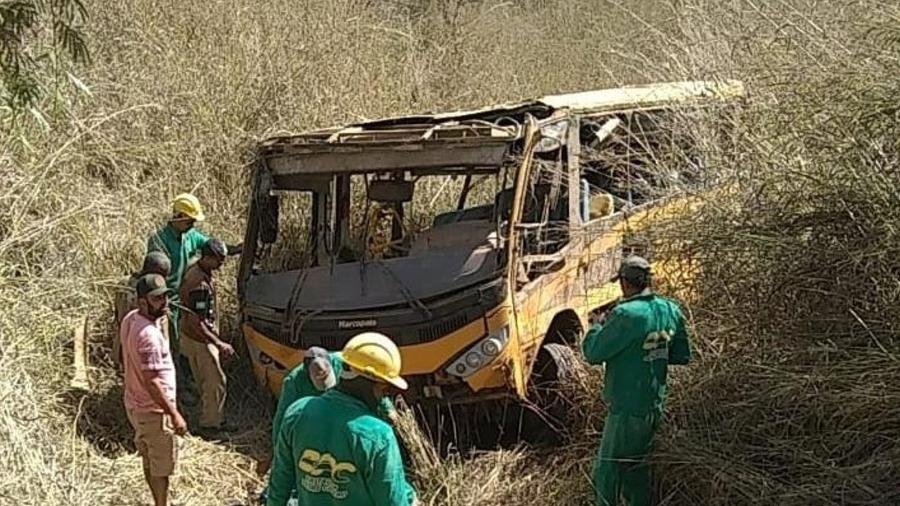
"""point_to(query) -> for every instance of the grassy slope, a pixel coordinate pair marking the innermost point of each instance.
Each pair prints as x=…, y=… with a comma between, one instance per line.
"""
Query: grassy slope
x=182, y=89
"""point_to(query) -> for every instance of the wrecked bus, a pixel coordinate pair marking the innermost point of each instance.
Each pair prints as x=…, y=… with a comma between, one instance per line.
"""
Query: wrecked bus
x=479, y=241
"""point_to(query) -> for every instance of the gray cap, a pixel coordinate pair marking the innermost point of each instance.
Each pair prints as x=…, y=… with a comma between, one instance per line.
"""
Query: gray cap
x=634, y=268
x=214, y=248
x=316, y=352
x=156, y=261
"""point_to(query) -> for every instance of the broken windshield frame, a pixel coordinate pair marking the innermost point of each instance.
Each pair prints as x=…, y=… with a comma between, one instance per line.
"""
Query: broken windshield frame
x=458, y=218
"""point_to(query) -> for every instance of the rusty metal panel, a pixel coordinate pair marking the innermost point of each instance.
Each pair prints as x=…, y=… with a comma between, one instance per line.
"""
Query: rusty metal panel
x=407, y=156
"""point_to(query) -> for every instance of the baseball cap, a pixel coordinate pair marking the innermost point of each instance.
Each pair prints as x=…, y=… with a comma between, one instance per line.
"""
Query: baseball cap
x=215, y=248
x=633, y=267
x=151, y=285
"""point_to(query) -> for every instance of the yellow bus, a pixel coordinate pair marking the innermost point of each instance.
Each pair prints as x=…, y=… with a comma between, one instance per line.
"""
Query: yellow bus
x=479, y=241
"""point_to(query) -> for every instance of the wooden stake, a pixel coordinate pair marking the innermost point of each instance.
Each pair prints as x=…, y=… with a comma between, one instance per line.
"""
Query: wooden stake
x=80, y=378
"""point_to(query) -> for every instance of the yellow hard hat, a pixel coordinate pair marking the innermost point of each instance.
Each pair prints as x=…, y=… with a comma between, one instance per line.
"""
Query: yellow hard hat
x=375, y=356
x=188, y=205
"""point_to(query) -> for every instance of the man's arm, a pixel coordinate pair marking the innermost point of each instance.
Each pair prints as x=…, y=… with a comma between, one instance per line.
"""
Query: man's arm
x=197, y=240
x=153, y=382
x=151, y=359
x=198, y=305
x=234, y=249
x=680, y=351
x=195, y=324
x=386, y=480
x=604, y=341
x=287, y=397
x=283, y=478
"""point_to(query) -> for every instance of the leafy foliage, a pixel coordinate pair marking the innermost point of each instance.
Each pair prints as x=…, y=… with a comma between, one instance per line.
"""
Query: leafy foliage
x=36, y=37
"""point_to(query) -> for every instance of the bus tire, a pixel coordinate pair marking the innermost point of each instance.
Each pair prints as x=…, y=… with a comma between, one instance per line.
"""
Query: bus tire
x=550, y=403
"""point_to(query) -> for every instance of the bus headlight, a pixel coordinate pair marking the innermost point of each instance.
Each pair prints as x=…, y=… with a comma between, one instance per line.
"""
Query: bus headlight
x=491, y=346
x=480, y=354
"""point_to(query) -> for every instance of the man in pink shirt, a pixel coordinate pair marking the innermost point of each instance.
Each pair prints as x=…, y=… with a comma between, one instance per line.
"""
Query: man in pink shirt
x=150, y=385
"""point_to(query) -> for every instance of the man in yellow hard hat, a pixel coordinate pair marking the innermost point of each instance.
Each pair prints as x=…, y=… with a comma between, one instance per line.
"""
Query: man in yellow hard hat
x=319, y=372
x=181, y=242
x=335, y=449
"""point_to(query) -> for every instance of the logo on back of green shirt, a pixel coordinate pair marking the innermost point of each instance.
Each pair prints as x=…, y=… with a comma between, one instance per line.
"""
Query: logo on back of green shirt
x=656, y=345
x=323, y=473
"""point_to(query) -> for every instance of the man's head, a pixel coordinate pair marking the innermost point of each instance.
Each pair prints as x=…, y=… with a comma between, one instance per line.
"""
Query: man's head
x=634, y=275
x=157, y=262
x=186, y=211
x=212, y=254
x=371, y=367
x=318, y=367
x=152, y=296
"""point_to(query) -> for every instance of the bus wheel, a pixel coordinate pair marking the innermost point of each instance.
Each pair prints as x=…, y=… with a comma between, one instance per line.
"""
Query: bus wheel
x=550, y=406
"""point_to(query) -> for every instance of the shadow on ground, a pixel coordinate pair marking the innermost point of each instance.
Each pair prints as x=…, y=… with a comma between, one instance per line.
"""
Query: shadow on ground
x=99, y=413
x=100, y=417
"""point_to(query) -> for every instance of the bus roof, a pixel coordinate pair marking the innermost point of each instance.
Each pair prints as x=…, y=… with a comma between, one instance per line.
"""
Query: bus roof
x=481, y=133
x=626, y=98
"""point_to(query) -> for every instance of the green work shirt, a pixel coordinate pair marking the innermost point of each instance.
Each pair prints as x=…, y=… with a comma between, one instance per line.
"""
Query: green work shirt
x=334, y=450
x=297, y=385
x=180, y=248
x=640, y=338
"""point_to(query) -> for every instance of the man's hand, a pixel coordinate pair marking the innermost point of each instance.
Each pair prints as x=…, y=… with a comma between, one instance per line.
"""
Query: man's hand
x=225, y=349
x=178, y=424
x=598, y=317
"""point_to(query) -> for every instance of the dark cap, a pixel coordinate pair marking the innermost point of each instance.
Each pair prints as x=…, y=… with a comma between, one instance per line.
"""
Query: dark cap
x=214, y=248
x=151, y=285
x=634, y=268
x=156, y=261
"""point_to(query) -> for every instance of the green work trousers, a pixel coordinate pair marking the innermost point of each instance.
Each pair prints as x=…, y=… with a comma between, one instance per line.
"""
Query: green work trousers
x=621, y=469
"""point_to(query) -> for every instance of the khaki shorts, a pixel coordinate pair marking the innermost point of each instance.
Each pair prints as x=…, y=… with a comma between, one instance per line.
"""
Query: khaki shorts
x=156, y=442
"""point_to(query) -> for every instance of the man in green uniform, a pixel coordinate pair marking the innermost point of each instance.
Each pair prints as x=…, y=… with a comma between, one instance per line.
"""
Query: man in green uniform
x=319, y=372
x=333, y=448
x=181, y=242
x=637, y=341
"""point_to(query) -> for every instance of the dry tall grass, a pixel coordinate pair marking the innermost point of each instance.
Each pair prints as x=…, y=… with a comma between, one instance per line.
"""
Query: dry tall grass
x=792, y=398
